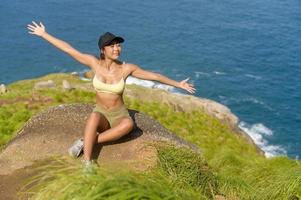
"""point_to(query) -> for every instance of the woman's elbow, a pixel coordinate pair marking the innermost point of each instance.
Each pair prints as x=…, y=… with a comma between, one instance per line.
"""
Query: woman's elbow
x=69, y=50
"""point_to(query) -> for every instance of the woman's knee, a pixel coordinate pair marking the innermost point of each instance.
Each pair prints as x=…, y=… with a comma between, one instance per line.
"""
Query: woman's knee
x=131, y=124
x=92, y=123
x=93, y=119
x=128, y=124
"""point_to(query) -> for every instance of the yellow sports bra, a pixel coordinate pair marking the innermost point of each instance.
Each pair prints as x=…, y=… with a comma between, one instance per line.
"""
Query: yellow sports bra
x=116, y=88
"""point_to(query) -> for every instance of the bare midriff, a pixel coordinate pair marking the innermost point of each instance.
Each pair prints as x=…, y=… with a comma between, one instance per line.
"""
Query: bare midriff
x=109, y=101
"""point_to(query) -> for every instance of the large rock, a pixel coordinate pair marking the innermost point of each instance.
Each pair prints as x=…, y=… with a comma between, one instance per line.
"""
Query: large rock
x=66, y=85
x=53, y=131
x=89, y=74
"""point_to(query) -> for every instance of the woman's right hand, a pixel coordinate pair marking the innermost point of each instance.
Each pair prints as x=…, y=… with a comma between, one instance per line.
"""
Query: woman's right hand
x=36, y=29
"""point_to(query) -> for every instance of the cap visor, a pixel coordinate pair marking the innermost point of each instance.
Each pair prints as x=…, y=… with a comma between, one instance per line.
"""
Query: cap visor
x=118, y=39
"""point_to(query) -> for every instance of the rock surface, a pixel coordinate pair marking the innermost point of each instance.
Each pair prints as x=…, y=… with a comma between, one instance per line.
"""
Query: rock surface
x=2, y=89
x=89, y=74
x=44, y=84
x=66, y=85
x=184, y=103
x=189, y=103
x=53, y=131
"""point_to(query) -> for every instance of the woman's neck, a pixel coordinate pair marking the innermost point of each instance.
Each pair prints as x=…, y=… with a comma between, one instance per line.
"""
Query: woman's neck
x=108, y=63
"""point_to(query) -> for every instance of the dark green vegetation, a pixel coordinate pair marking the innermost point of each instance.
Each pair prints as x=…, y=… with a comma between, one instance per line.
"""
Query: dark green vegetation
x=229, y=165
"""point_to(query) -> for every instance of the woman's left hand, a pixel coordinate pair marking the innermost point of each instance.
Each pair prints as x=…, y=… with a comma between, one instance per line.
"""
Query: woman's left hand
x=36, y=29
x=187, y=86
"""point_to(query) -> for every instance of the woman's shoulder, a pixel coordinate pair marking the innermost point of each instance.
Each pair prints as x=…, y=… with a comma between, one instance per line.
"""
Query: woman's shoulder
x=130, y=65
x=95, y=61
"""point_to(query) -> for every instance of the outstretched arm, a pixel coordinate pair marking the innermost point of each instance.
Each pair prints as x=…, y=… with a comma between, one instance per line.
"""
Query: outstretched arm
x=40, y=30
x=140, y=73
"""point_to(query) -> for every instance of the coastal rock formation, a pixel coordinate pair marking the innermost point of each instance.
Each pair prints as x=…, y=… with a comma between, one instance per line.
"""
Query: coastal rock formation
x=189, y=103
x=183, y=103
x=53, y=131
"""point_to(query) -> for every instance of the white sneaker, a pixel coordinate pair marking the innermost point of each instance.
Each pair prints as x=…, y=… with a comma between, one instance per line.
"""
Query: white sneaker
x=77, y=147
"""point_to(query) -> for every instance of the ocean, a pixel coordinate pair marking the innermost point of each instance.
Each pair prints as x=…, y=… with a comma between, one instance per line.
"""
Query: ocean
x=243, y=54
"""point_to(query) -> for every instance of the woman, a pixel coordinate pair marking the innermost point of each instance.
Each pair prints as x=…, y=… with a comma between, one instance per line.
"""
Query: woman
x=110, y=116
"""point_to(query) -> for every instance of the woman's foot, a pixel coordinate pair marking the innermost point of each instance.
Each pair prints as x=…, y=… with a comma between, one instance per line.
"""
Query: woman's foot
x=77, y=147
x=89, y=167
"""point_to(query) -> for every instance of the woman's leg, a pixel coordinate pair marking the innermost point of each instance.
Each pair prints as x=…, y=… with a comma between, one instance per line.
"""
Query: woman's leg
x=120, y=127
x=96, y=122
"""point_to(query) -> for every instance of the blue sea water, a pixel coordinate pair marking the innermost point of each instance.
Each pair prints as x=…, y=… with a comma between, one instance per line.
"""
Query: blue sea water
x=243, y=54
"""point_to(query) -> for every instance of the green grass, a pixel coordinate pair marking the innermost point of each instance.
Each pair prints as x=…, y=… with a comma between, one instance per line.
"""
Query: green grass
x=180, y=174
x=229, y=165
x=198, y=127
x=12, y=118
x=23, y=102
x=242, y=172
x=186, y=168
x=64, y=179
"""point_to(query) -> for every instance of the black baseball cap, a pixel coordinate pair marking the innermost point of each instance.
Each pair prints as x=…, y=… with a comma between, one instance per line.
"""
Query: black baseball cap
x=107, y=39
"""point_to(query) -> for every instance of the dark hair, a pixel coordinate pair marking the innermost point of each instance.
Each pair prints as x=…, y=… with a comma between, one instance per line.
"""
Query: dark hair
x=102, y=56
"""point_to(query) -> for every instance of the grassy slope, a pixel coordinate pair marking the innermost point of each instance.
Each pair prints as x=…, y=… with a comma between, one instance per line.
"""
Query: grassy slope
x=232, y=166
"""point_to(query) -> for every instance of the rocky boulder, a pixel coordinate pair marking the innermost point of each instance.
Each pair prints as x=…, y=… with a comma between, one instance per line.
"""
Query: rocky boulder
x=66, y=85
x=53, y=131
x=89, y=74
